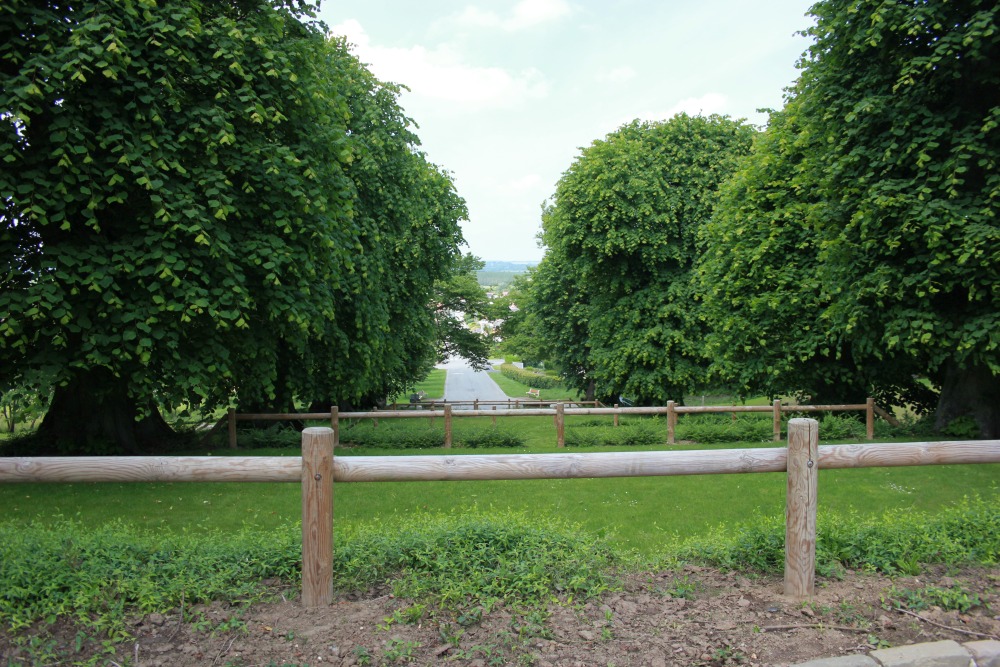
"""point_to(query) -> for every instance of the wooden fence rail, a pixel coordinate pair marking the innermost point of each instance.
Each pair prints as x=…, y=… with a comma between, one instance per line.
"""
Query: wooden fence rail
x=317, y=470
x=559, y=413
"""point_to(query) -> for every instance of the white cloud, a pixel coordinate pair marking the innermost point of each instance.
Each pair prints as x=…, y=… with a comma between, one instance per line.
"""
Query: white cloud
x=440, y=73
x=706, y=105
x=525, y=14
x=616, y=75
x=525, y=183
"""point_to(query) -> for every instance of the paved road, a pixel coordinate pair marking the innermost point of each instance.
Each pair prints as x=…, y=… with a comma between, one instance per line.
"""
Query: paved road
x=465, y=384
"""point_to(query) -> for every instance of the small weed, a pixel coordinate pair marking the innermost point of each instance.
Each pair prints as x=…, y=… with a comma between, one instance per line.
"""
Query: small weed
x=848, y=614
x=362, y=655
x=954, y=598
x=682, y=588
x=397, y=650
x=727, y=655
x=450, y=635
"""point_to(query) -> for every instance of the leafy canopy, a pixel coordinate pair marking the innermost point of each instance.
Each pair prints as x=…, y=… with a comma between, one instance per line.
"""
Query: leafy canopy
x=622, y=229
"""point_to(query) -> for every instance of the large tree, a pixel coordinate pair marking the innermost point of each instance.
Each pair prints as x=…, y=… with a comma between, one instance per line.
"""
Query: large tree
x=180, y=217
x=897, y=113
x=762, y=290
x=623, y=229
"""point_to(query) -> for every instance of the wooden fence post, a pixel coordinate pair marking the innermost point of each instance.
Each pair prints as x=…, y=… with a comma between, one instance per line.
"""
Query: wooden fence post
x=777, y=421
x=671, y=422
x=447, y=426
x=231, y=417
x=475, y=404
x=494, y=416
x=870, y=418
x=616, y=415
x=317, y=516
x=560, y=426
x=800, y=508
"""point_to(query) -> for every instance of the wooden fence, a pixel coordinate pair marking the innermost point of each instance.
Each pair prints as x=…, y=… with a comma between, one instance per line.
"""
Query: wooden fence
x=559, y=413
x=317, y=470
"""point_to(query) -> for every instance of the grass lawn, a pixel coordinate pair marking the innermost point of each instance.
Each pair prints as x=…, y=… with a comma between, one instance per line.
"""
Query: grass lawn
x=515, y=389
x=640, y=513
x=432, y=386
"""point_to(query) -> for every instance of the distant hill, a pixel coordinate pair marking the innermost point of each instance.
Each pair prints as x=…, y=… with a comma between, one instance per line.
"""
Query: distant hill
x=501, y=273
x=517, y=267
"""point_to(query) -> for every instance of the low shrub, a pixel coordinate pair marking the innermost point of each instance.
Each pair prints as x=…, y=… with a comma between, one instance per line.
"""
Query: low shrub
x=99, y=578
x=895, y=542
x=533, y=380
x=636, y=433
x=711, y=428
x=277, y=435
x=96, y=577
x=393, y=435
x=490, y=437
x=461, y=561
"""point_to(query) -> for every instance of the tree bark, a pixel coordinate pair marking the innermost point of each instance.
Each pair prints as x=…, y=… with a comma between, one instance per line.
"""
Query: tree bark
x=94, y=414
x=970, y=391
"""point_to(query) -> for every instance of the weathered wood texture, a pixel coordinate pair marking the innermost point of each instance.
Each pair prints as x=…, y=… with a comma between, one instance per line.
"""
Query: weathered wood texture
x=317, y=516
x=491, y=466
x=151, y=469
x=800, y=508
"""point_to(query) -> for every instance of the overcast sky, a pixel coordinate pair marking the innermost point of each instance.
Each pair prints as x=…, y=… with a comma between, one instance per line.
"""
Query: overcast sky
x=507, y=92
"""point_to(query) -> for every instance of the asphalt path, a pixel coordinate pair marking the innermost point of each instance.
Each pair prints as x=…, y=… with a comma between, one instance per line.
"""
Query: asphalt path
x=463, y=383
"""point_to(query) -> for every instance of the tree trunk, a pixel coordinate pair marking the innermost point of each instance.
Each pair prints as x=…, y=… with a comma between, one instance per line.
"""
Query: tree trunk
x=94, y=414
x=973, y=392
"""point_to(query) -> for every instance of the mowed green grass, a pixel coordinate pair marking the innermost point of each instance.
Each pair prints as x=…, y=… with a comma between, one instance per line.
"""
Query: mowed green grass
x=645, y=514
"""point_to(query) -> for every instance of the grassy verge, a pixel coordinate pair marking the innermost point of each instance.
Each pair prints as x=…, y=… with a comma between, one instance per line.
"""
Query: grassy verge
x=432, y=386
x=451, y=565
x=515, y=389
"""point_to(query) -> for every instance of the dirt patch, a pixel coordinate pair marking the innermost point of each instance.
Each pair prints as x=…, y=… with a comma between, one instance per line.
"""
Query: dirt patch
x=695, y=616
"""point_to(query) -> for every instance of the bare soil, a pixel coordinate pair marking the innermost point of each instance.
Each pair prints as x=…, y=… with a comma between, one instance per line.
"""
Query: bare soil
x=695, y=616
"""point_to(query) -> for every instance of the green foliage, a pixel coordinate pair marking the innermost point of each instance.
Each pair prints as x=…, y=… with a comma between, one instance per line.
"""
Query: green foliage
x=96, y=577
x=199, y=199
x=491, y=437
x=950, y=598
x=857, y=247
x=895, y=542
x=277, y=435
x=710, y=428
x=389, y=435
x=459, y=297
x=613, y=293
x=518, y=330
x=473, y=562
x=393, y=435
x=629, y=434
x=530, y=378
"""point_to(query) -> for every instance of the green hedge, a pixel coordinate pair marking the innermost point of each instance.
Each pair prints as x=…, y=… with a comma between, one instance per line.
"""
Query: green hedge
x=533, y=380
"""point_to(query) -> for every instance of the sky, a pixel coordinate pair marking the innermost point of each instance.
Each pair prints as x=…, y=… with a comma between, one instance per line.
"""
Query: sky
x=506, y=93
